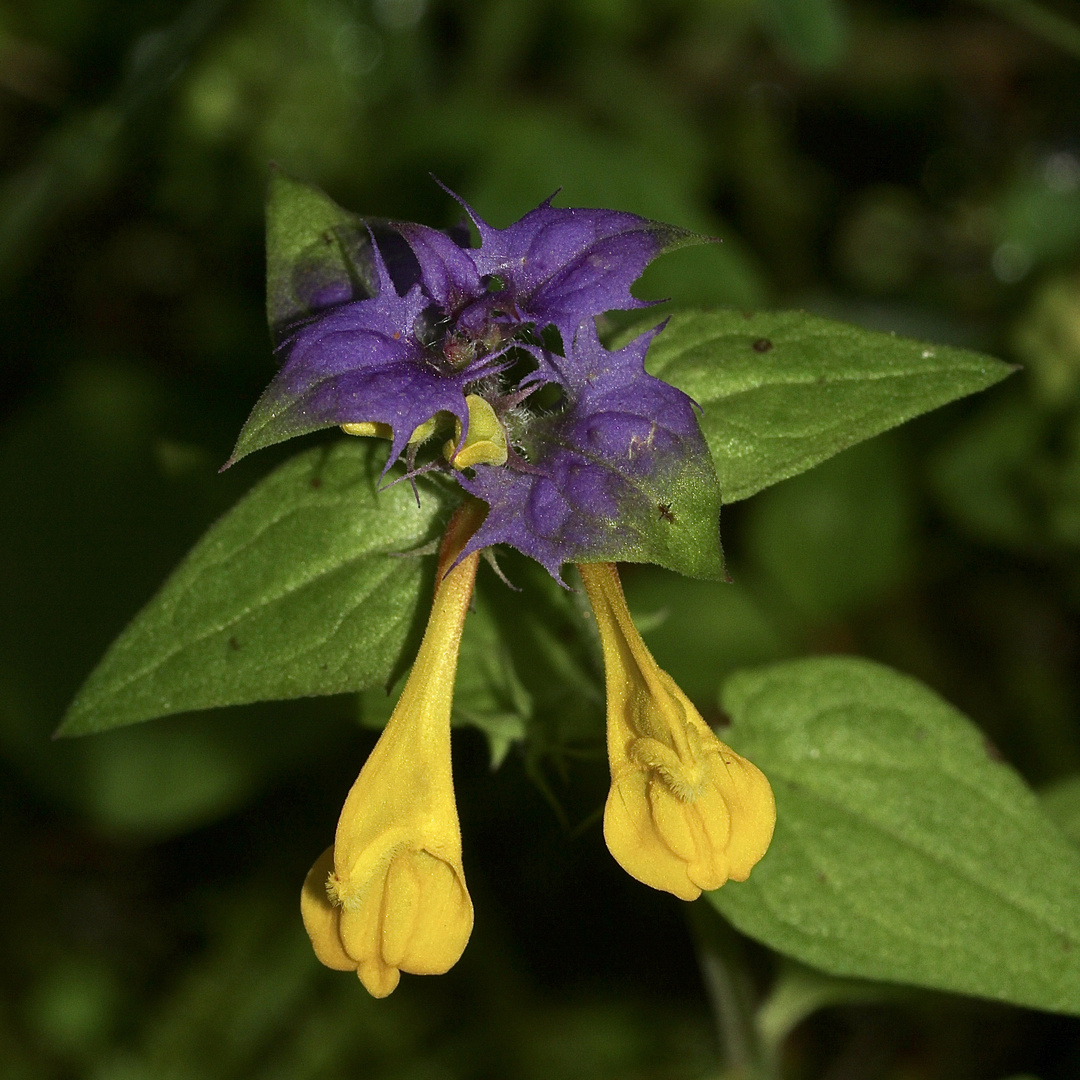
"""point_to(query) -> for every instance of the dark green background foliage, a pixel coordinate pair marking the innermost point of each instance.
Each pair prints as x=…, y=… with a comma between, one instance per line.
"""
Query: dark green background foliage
x=907, y=168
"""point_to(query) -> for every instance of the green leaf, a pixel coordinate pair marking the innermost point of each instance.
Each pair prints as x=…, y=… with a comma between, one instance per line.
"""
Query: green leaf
x=488, y=694
x=669, y=518
x=1061, y=803
x=782, y=391
x=316, y=252
x=298, y=590
x=903, y=850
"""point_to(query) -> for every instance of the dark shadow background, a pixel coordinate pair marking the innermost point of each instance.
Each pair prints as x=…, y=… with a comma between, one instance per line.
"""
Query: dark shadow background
x=912, y=167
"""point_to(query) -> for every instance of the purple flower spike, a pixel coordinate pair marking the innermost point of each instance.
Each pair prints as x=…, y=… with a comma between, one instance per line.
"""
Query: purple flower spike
x=600, y=461
x=563, y=266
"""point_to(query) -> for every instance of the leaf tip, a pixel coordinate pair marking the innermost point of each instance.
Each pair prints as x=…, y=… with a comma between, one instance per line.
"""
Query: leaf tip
x=70, y=726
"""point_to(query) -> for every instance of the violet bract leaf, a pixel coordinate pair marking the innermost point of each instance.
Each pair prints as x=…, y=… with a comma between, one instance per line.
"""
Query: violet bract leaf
x=621, y=474
x=601, y=462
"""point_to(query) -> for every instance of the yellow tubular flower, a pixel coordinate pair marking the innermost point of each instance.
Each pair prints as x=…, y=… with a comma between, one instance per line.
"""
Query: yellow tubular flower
x=390, y=895
x=685, y=812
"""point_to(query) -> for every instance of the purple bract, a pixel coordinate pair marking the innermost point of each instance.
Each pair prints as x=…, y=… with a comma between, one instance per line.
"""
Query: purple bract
x=598, y=450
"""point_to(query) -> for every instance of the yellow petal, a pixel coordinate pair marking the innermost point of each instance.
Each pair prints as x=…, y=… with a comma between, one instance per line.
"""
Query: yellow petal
x=321, y=917
x=485, y=441
x=429, y=915
x=685, y=812
x=379, y=979
x=401, y=908
x=373, y=429
x=362, y=934
x=368, y=429
x=753, y=816
x=631, y=836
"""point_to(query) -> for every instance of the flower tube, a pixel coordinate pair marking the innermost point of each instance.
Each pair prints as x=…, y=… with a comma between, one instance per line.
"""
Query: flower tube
x=685, y=812
x=389, y=895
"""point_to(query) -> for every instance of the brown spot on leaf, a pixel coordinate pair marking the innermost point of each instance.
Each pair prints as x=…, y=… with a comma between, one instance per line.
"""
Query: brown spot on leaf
x=763, y=344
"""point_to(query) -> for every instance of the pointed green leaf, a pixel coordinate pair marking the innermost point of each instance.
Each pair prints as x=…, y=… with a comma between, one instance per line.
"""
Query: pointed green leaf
x=316, y=252
x=300, y=589
x=1061, y=803
x=782, y=391
x=904, y=851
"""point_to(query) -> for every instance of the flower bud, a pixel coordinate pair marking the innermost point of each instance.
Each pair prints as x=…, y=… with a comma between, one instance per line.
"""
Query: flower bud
x=685, y=812
x=390, y=895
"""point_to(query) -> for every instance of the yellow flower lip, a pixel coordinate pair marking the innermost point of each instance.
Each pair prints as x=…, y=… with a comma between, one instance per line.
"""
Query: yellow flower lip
x=685, y=812
x=389, y=895
x=485, y=441
x=370, y=429
x=375, y=430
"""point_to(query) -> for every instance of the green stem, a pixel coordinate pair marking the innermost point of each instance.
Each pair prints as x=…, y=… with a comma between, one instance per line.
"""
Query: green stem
x=800, y=991
x=722, y=961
